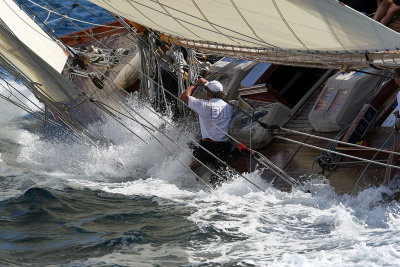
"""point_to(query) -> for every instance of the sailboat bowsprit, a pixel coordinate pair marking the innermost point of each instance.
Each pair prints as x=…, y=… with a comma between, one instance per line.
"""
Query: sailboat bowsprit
x=303, y=76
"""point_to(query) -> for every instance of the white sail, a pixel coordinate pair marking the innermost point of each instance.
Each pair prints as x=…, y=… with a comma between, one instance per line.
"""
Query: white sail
x=323, y=25
x=50, y=83
x=23, y=27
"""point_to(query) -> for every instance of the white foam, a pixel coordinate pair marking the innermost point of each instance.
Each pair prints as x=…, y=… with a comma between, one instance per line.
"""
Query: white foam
x=274, y=228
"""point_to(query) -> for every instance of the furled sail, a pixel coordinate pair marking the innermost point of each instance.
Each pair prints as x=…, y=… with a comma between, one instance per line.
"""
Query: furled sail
x=303, y=28
x=26, y=30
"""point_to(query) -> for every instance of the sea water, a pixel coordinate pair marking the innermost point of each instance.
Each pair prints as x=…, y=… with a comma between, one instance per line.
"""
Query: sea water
x=66, y=202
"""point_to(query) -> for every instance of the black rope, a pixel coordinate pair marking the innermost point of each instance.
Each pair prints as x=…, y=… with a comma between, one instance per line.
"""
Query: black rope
x=367, y=57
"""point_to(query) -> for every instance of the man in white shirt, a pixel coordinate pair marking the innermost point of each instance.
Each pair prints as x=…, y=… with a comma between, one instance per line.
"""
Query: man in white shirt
x=213, y=111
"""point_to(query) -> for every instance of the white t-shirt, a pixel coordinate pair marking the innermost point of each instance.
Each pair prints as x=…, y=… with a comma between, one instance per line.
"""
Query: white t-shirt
x=398, y=101
x=214, y=111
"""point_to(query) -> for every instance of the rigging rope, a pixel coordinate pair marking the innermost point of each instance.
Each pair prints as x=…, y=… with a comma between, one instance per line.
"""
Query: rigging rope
x=163, y=91
x=260, y=156
x=210, y=153
x=67, y=17
x=163, y=145
x=150, y=77
x=43, y=96
x=338, y=153
x=122, y=104
x=101, y=106
x=323, y=60
x=366, y=167
x=339, y=142
x=42, y=118
x=160, y=86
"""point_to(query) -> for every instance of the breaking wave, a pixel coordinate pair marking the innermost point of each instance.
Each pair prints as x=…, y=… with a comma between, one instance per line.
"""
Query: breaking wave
x=135, y=204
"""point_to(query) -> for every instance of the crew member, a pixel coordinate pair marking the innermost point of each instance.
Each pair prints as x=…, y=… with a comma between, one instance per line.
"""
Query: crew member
x=386, y=10
x=213, y=111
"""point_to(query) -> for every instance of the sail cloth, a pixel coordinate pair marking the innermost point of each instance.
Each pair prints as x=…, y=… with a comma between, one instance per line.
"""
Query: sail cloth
x=306, y=25
x=49, y=82
x=23, y=27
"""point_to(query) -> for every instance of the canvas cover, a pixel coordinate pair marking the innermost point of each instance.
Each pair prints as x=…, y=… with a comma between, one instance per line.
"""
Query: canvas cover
x=341, y=99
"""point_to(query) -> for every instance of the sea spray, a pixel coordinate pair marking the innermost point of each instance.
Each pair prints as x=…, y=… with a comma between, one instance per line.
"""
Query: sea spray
x=140, y=189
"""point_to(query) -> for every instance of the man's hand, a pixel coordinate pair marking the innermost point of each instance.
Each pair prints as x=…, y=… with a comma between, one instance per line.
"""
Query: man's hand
x=396, y=113
x=201, y=81
x=188, y=92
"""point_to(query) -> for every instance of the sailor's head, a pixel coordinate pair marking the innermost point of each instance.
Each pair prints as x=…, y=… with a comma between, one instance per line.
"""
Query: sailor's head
x=216, y=89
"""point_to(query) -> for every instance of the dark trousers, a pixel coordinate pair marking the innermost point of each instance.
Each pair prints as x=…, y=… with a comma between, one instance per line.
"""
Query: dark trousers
x=220, y=149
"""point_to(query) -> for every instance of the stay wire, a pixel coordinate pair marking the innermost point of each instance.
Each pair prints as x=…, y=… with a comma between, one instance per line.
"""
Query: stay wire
x=55, y=11
x=366, y=167
x=120, y=104
x=184, y=103
x=338, y=141
x=19, y=92
x=169, y=138
x=337, y=153
x=198, y=144
x=98, y=103
x=272, y=167
x=169, y=150
x=167, y=91
x=39, y=116
x=25, y=106
x=128, y=117
x=43, y=95
x=123, y=106
x=34, y=87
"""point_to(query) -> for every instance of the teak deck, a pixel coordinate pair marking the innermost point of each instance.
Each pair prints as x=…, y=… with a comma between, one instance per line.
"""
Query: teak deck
x=297, y=160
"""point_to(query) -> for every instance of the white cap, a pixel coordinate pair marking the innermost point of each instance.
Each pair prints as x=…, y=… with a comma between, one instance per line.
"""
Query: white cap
x=215, y=86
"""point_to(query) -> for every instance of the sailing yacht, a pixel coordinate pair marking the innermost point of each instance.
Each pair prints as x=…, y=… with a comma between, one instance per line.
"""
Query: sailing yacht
x=310, y=80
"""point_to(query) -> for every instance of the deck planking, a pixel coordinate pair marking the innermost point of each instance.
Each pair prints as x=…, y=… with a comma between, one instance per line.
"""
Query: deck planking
x=297, y=160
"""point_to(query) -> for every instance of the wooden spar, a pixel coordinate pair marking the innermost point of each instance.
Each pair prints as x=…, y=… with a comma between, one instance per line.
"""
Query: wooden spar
x=140, y=29
x=315, y=59
x=88, y=35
